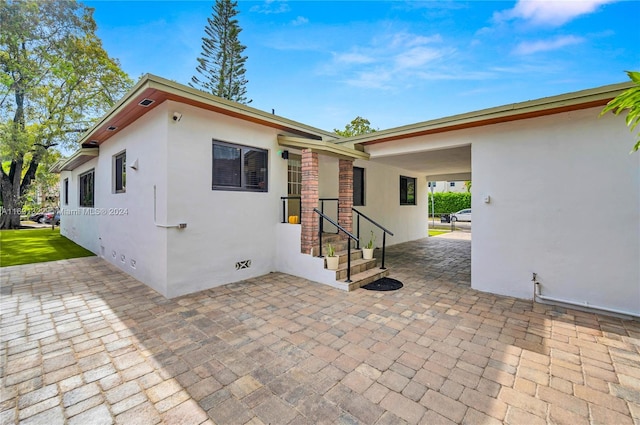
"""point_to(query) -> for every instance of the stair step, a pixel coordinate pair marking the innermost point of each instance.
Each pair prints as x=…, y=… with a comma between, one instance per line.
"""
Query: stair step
x=357, y=266
x=361, y=279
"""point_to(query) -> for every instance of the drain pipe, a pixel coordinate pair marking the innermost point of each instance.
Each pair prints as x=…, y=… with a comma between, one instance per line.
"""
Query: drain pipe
x=165, y=226
x=537, y=294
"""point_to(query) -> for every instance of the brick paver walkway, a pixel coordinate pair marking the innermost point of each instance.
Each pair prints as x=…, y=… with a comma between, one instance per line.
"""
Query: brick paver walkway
x=83, y=343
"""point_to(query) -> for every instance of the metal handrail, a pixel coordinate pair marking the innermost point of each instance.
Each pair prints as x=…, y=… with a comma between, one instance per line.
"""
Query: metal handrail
x=384, y=233
x=340, y=228
x=284, y=208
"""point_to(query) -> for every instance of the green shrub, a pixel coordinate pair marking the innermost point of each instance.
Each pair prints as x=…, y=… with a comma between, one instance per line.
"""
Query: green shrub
x=448, y=202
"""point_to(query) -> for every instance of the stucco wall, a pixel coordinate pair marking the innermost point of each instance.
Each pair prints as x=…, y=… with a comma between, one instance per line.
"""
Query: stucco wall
x=382, y=204
x=75, y=222
x=122, y=230
x=223, y=227
x=565, y=204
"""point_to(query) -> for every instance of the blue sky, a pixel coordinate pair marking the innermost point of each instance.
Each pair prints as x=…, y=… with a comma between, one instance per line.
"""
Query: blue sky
x=399, y=62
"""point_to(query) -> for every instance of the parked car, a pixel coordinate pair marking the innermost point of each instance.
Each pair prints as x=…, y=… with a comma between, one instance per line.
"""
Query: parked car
x=52, y=217
x=462, y=215
x=36, y=217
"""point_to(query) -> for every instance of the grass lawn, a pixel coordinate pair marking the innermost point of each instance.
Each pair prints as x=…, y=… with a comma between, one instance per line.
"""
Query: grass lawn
x=28, y=246
x=437, y=232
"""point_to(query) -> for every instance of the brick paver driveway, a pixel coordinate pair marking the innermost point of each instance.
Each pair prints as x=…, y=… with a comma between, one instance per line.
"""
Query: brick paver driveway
x=84, y=343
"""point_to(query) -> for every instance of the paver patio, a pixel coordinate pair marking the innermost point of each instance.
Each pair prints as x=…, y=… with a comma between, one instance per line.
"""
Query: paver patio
x=84, y=343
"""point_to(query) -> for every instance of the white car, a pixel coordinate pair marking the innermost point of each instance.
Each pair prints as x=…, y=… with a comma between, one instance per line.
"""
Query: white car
x=462, y=215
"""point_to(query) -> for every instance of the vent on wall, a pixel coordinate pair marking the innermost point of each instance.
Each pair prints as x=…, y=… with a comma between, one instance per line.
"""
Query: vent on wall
x=243, y=264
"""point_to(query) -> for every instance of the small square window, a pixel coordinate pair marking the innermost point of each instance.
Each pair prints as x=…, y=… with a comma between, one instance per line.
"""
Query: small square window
x=120, y=172
x=452, y=184
x=407, y=190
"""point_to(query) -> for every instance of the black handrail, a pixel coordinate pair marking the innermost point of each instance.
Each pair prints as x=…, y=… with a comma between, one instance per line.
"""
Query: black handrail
x=340, y=228
x=284, y=208
x=322, y=200
x=384, y=232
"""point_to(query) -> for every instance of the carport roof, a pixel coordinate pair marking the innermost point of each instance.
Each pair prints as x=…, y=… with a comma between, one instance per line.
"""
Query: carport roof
x=573, y=101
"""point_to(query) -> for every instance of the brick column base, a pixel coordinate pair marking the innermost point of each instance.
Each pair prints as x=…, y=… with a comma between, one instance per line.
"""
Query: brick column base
x=345, y=195
x=310, y=196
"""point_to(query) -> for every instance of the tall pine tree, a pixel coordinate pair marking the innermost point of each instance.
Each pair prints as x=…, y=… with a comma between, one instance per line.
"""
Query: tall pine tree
x=221, y=65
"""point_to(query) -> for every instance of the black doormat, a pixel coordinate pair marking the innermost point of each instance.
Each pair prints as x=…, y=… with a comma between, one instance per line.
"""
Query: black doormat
x=384, y=284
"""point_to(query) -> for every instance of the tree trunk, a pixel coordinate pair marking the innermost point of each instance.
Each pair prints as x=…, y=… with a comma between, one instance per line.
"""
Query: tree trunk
x=11, y=204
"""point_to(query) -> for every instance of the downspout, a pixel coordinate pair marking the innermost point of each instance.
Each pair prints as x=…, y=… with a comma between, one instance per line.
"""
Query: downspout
x=538, y=295
x=164, y=226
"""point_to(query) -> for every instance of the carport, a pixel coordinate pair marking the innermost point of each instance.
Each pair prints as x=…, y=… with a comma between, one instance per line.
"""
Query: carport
x=528, y=161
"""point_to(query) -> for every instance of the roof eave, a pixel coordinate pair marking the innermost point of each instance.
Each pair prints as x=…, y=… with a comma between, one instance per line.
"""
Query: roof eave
x=78, y=158
x=180, y=91
x=584, y=99
x=323, y=147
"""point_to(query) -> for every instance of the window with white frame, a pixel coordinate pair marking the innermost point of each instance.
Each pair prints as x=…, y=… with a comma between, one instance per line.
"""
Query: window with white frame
x=452, y=184
x=238, y=167
x=86, y=189
x=120, y=172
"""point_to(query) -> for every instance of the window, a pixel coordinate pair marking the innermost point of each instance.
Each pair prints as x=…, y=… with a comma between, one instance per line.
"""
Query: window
x=432, y=184
x=294, y=169
x=120, y=172
x=86, y=189
x=452, y=184
x=358, y=186
x=407, y=190
x=237, y=167
x=66, y=191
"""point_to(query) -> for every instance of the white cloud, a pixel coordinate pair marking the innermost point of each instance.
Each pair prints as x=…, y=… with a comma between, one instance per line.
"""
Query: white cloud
x=353, y=58
x=417, y=57
x=375, y=79
x=549, y=13
x=389, y=60
x=271, y=6
x=300, y=20
x=530, y=47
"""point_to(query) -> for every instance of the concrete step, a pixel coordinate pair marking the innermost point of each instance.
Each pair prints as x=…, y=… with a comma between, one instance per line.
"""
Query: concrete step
x=358, y=280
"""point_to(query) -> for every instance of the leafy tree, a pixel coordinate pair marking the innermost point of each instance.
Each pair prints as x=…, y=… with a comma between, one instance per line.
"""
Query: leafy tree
x=221, y=65
x=55, y=80
x=356, y=127
x=628, y=100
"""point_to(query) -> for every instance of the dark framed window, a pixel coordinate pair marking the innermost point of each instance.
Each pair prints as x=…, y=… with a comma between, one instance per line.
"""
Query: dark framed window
x=358, y=186
x=407, y=190
x=86, y=189
x=238, y=167
x=120, y=172
x=65, y=190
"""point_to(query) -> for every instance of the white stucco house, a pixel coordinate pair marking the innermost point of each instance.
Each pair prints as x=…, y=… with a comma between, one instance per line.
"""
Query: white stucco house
x=184, y=191
x=447, y=186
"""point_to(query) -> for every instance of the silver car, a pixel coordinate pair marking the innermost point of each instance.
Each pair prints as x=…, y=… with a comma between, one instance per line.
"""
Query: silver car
x=462, y=215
